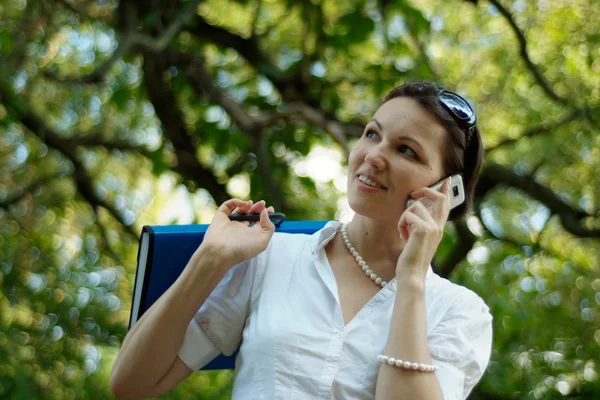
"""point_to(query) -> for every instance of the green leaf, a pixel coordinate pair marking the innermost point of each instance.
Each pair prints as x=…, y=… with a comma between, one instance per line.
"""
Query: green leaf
x=414, y=17
x=356, y=27
x=308, y=183
x=121, y=96
x=6, y=43
x=159, y=164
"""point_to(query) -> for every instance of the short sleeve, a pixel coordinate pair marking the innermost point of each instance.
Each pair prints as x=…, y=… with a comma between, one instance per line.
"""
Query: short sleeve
x=460, y=345
x=217, y=326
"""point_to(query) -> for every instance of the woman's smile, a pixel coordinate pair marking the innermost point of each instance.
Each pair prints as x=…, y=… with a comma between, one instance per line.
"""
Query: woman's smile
x=369, y=182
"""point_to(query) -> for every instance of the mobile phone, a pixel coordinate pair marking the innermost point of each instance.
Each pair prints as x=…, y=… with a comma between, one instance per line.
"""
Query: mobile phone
x=276, y=218
x=457, y=191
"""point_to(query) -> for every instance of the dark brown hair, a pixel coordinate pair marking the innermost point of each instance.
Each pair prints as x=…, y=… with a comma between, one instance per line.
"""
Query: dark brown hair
x=462, y=157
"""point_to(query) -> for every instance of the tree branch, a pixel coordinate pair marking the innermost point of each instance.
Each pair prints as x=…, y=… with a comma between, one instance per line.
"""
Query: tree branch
x=19, y=194
x=494, y=174
x=255, y=17
x=291, y=86
x=164, y=103
x=525, y=55
x=104, y=235
x=466, y=240
x=133, y=41
x=97, y=141
x=537, y=130
x=71, y=7
x=248, y=48
x=99, y=73
x=312, y=116
x=83, y=182
x=79, y=11
x=156, y=45
x=195, y=70
x=200, y=79
x=536, y=246
x=259, y=146
x=420, y=49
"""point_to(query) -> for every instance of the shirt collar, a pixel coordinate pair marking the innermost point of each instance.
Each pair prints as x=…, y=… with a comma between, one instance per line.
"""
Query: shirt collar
x=327, y=233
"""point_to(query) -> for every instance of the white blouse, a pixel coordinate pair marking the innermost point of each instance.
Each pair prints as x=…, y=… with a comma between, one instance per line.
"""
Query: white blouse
x=283, y=306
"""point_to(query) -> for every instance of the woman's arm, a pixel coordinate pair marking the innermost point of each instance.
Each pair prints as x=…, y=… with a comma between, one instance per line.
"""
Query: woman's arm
x=148, y=362
x=407, y=341
x=150, y=349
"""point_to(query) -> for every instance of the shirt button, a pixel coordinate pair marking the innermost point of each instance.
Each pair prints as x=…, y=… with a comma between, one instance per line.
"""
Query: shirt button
x=367, y=311
x=329, y=371
x=394, y=285
x=339, y=335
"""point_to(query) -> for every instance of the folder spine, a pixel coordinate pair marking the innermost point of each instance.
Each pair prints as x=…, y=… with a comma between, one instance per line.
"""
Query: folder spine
x=146, y=270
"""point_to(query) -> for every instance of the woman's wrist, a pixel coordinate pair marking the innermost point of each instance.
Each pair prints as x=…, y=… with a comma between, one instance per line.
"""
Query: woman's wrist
x=410, y=279
x=213, y=256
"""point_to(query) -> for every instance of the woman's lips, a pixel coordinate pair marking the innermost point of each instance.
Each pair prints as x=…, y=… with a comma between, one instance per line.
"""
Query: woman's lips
x=367, y=188
x=370, y=181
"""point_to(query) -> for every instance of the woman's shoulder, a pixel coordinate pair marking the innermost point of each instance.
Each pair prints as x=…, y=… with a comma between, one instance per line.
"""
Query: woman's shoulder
x=311, y=239
x=287, y=239
x=284, y=245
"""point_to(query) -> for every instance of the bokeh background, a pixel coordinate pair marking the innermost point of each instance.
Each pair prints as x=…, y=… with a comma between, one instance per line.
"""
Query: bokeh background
x=119, y=114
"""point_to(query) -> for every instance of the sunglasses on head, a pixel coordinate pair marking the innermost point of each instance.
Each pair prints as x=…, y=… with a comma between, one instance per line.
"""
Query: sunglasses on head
x=460, y=110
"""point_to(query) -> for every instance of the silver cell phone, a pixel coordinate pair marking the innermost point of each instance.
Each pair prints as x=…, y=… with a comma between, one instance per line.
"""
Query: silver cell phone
x=457, y=191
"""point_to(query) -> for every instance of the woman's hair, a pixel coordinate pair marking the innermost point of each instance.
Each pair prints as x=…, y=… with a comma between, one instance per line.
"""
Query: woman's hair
x=461, y=157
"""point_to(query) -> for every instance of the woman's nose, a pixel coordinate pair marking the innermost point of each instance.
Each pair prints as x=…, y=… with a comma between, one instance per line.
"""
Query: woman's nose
x=375, y=158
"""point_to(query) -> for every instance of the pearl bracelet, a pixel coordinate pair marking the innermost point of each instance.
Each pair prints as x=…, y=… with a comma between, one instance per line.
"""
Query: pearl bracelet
x=407, y=364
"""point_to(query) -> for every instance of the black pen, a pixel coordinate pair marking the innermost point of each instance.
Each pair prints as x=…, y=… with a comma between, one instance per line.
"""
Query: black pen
x=276, y=218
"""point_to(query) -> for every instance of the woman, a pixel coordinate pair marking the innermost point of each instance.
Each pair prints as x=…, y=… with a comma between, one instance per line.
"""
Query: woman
x=351, y=312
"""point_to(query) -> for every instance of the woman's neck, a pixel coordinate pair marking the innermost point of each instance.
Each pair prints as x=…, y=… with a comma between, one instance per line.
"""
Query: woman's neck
x=377, y=241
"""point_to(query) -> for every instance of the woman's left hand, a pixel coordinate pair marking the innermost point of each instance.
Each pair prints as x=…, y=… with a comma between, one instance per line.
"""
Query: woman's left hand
x=422, y=227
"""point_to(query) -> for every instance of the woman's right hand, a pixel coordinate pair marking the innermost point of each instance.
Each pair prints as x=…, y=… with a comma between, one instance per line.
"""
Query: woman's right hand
x=235, y=241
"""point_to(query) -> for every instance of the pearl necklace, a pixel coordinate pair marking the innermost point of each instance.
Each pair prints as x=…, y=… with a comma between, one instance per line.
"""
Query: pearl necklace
x=360, y=260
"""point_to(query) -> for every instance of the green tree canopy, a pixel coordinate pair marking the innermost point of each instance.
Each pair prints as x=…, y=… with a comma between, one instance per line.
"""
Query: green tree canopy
x=113, y=112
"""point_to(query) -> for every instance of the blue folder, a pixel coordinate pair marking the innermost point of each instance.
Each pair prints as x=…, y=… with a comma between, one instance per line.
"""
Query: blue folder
x=163, y=253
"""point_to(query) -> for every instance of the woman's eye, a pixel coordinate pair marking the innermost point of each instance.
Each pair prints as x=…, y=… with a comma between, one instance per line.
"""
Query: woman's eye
x=405, y=147
x=370, y=133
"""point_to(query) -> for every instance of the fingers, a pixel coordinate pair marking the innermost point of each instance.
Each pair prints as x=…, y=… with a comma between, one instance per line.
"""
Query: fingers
x=436, y=213
x=409, y=223
x=421, y=210
x=432, y=193
x=243, y=209
x=232, y=204
x=254, y=208
x=258, y=207
x=420, y=216
x=403, y=229
x=446, y=190
x=441, y=208
x=428, y=193
x=237, y=206
x=266, y=225
x=249, y=207
x=437, y=201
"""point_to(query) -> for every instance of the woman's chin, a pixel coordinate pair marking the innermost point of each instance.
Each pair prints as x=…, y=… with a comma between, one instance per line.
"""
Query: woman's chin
x=369, y=209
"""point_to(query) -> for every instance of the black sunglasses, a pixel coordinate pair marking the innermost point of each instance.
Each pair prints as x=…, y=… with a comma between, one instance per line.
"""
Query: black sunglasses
x=460, y=110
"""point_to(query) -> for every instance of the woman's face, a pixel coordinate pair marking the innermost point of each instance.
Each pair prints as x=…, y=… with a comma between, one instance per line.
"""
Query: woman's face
x=401, y=150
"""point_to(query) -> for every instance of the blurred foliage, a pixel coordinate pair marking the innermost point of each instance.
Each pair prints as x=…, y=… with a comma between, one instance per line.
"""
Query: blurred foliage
x=113, y=112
